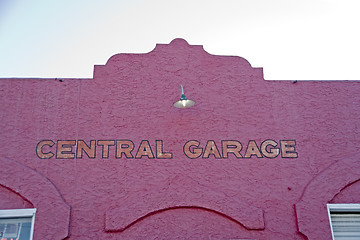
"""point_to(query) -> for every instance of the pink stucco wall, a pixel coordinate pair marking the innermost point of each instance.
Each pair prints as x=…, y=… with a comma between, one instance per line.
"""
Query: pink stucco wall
x=131, y=97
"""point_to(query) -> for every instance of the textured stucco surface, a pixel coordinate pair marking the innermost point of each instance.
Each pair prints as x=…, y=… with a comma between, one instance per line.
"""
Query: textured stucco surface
x=53, y=214
x=131, y=97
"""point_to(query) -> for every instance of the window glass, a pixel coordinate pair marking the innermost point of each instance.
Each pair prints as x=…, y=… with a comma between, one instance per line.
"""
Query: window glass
x=16, y=224
x=344, y=221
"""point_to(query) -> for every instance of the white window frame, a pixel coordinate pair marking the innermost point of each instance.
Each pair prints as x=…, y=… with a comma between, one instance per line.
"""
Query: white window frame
x=16, y=213
x=341, y=207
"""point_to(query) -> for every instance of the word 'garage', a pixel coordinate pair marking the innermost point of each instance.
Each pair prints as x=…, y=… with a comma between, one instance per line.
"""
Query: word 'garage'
x=71, y=149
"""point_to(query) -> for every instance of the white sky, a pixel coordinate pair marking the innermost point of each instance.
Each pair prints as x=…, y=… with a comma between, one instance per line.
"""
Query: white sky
x=290, y=39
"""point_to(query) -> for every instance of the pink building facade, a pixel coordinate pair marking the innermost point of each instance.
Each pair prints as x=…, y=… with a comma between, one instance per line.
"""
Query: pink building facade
x=111, y=158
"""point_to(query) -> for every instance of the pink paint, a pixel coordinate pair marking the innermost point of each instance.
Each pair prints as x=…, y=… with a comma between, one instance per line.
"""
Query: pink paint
x=131, y=97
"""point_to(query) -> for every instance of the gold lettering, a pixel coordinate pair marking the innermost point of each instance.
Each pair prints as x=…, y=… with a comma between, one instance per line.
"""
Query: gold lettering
x=196, y=151
x=288, y=149
x=231, y=146
x=274, y=152
x=144, y=150
x=82, y=146
x=105, y=148
x=252, y=149
x=124, y=146
x=159, y=151
x=212, y=149
x=64, y=149
x=39, y=149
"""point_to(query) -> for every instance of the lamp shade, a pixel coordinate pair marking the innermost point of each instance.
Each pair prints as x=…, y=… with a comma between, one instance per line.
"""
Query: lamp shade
x=184, y=102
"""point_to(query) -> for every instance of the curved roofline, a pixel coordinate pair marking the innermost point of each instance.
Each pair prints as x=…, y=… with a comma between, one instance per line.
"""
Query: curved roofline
x=177, y=43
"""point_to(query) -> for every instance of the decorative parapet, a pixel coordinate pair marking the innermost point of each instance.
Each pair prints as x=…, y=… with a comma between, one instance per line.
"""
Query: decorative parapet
x=178, y=55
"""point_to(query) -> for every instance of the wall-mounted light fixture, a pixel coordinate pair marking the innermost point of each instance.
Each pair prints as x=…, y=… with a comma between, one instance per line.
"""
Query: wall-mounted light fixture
x=184, y=102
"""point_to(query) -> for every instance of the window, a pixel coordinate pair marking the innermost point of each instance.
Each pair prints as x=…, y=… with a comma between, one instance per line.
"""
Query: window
x=344, y=221
x=17, y=224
